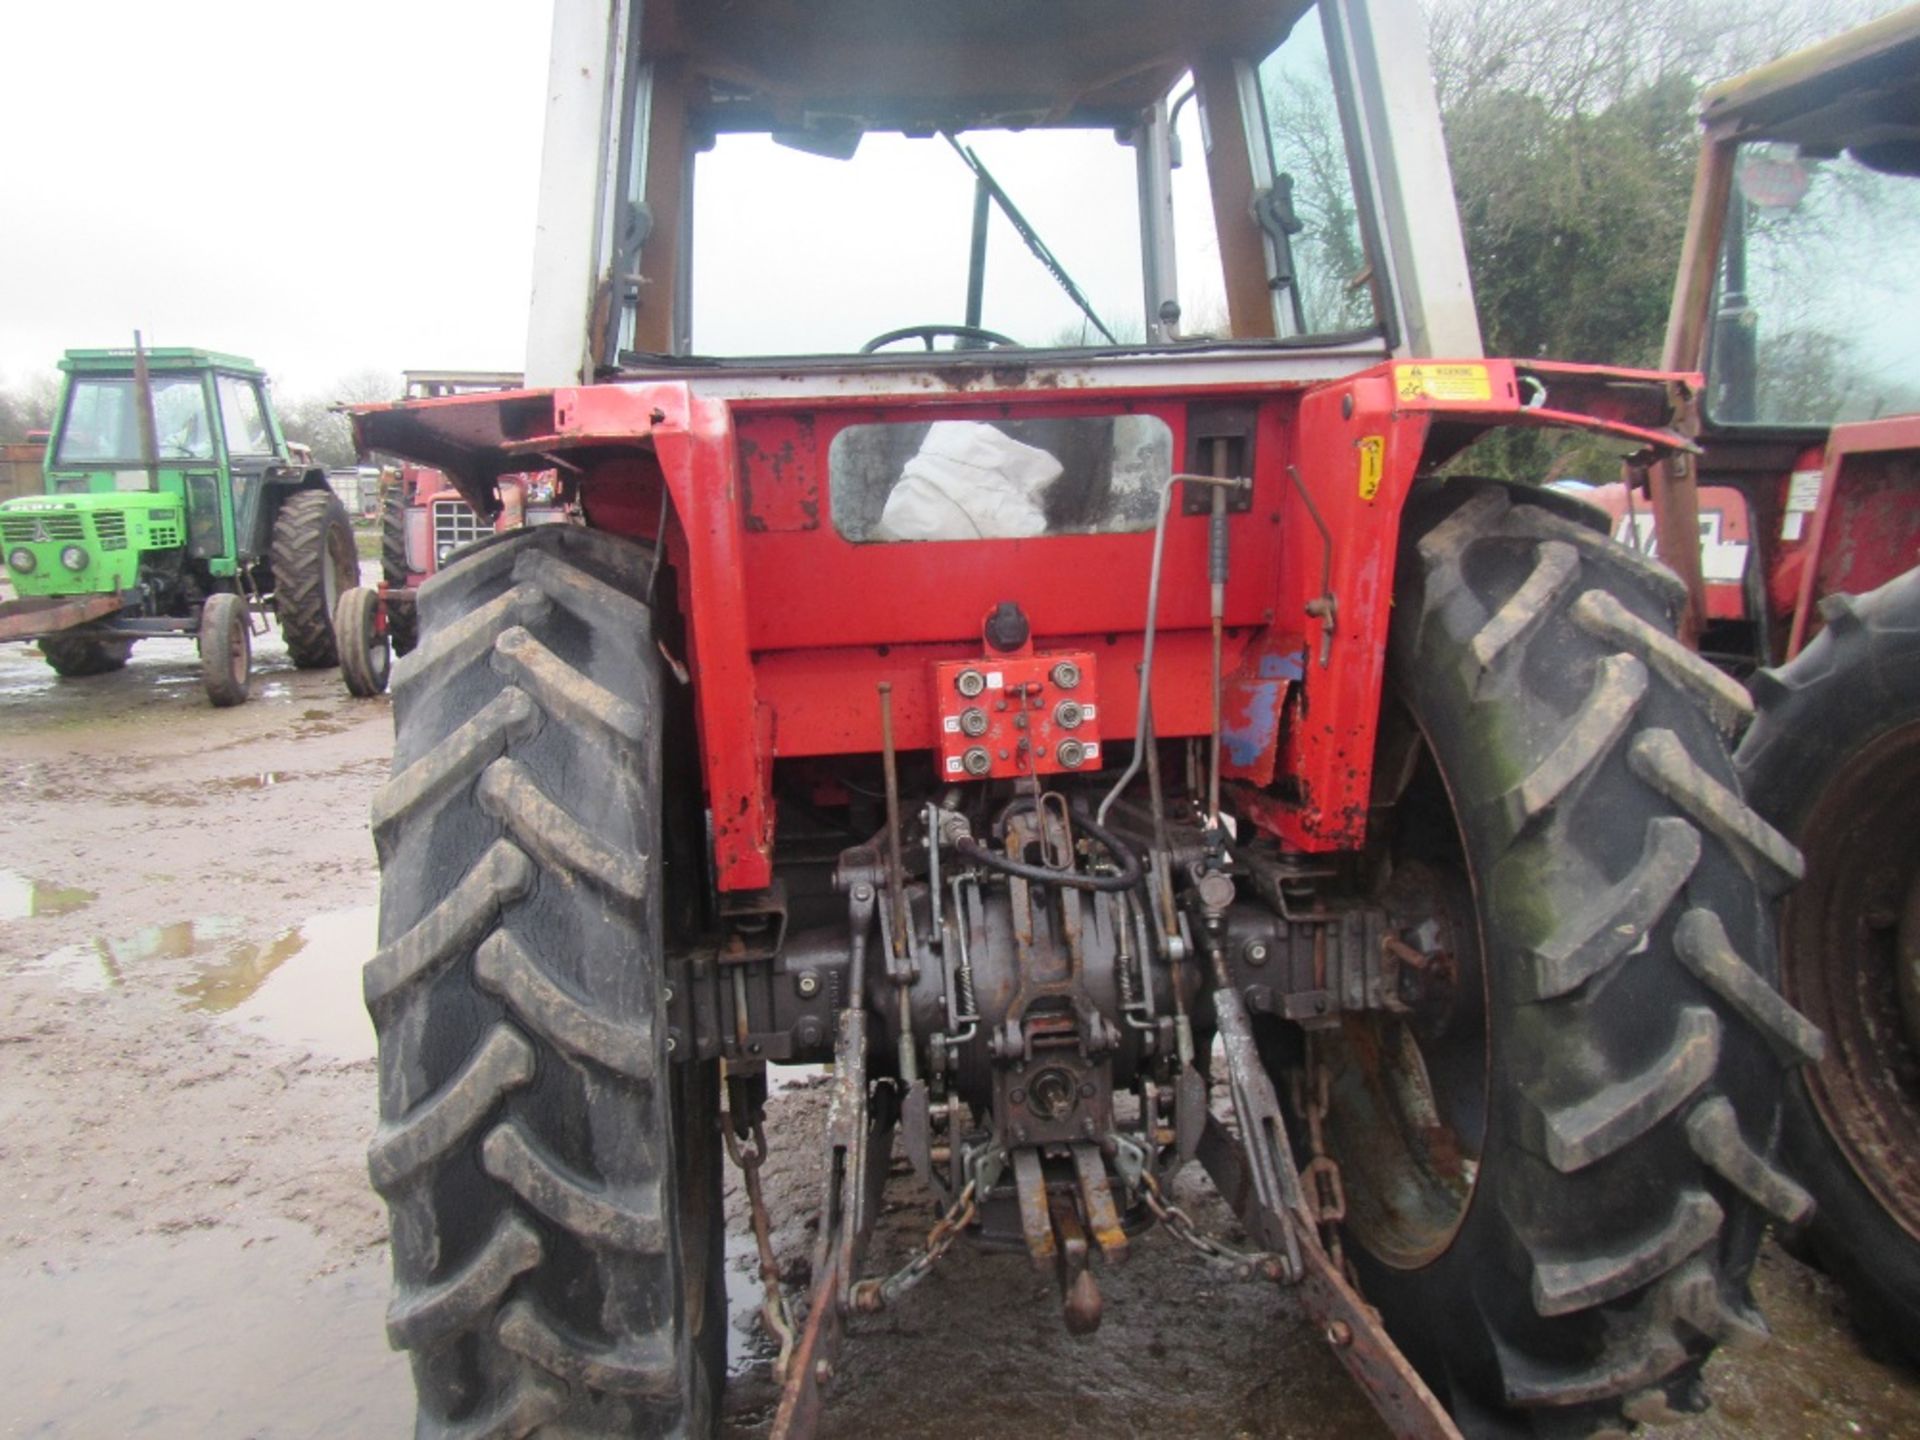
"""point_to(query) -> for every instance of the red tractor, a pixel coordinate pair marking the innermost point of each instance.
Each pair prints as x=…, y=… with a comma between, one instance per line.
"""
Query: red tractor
x=1796, y=296
x=423, y=521
x=1110, y=746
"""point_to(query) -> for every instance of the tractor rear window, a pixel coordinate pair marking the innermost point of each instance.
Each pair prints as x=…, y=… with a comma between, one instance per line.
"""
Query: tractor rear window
x=1008, y=480
x=102, y=422
x=800, y=253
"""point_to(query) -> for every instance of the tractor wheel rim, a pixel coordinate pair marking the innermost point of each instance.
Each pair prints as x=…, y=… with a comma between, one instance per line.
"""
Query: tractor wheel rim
x=1908, y=959
x=1408, y=1092
x=379, y=649
x=237, y=645
x=1850, y=950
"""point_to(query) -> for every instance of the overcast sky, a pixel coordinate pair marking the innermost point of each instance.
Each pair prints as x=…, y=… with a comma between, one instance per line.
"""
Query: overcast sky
x=323, y=185
x=332, y=185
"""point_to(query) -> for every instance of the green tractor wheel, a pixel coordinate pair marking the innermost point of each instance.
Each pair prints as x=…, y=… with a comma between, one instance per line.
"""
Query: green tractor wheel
x=315, y=562
x=226, y=650
x=75, y=658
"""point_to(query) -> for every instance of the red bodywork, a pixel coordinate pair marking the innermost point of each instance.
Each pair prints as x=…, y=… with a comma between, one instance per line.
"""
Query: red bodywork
x=1865, y=527
x=1726, y=539
x=1819, y=519
x=792, y=629
x=519, y=499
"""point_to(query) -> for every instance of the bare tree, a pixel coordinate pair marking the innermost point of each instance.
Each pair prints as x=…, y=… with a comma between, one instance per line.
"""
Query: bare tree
x=1581, y=56
x=314, y=419
x=1572, y=134
x=27, y=404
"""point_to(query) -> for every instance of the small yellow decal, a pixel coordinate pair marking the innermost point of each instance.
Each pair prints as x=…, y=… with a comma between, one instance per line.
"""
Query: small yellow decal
x=1373, y=452
x=1445, y=382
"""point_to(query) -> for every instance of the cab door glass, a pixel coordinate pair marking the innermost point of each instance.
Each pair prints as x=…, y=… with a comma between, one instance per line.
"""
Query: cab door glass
x=244, y=416
x=1314, y=202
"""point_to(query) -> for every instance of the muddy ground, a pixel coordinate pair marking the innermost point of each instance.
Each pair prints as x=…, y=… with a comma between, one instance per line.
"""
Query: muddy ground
x=187, y=1244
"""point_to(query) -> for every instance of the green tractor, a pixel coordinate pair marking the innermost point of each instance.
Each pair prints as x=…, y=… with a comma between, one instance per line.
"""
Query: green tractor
x=174, y=506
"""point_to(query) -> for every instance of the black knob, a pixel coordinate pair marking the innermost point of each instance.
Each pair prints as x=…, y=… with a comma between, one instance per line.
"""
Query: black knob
x=1007, y=627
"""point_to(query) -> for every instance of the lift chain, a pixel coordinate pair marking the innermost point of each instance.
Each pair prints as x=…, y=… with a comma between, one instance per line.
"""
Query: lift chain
x=773, y=1308
x=1324, y=1192
x=871, y=1296
x=1245, y=1264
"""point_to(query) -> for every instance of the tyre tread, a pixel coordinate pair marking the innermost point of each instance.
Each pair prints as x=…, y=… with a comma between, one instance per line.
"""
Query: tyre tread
x=1605, y=618
x=503, y=966
x=1703, y=947
x=509, y=735
x=299, y=555
x=1662, y=761
x=1714, y=1132
x=424, y=1314
x=1574, y=1136
x=1564, y=1286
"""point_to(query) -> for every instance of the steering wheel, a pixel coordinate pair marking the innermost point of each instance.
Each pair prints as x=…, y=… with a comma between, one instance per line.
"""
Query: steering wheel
x=926, y=334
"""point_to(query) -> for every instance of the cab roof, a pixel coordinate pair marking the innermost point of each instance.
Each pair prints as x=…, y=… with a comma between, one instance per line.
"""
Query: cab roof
x=1862, y=87
x=795, y=65
x=159, y=357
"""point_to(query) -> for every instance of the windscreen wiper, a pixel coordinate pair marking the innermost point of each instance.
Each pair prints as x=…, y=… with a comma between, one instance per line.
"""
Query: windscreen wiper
x=1027, y=233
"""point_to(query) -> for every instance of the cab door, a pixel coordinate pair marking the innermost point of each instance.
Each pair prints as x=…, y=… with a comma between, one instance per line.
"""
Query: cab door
x=251, y=452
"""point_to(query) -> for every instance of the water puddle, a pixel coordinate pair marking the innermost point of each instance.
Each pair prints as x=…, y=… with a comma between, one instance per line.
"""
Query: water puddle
x=103, y=963
x=211, y=1335
x=749, y=1348
x=300, y=988
x=308, y=995
x=245, y=784
x=23, y=898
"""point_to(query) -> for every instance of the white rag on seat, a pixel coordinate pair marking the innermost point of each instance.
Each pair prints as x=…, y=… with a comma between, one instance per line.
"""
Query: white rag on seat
x=969, y=482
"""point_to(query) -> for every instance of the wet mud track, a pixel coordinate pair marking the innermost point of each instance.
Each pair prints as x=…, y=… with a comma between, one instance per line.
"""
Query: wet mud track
x=188, y=1247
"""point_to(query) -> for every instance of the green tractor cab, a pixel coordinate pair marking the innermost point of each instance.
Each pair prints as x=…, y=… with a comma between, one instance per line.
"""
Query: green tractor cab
x=169, y=485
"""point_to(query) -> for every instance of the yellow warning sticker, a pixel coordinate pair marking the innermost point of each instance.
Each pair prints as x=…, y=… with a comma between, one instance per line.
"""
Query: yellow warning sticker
x=1373, y=454
x=1444, y=382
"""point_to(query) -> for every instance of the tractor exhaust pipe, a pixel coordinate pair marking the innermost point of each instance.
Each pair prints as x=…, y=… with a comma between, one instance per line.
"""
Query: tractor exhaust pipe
x=143, y=389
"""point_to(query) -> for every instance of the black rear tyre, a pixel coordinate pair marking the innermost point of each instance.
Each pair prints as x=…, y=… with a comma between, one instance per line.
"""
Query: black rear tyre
x=75, y=659
x=315, y=562
x=1833, y=759
x=550, y=1177
x=1557, y=1174
x=402, y=624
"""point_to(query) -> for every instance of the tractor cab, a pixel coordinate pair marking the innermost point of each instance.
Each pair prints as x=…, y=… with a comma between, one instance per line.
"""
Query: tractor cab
x=1796, y=297
x=850, y=178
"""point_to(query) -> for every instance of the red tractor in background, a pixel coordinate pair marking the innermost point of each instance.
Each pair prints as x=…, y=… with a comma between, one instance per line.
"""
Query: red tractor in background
x=1110, y=754
x=424, y=520
x=1799, y=296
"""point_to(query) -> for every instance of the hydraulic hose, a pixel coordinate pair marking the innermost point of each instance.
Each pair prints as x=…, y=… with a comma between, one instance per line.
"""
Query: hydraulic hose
x=1128, y=877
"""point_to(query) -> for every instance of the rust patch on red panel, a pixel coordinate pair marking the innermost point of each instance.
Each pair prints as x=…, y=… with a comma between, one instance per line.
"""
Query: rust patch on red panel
x=780, y=473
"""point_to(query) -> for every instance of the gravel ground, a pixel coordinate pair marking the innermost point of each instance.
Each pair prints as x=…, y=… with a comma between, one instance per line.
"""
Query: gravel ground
x=187, y=1243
